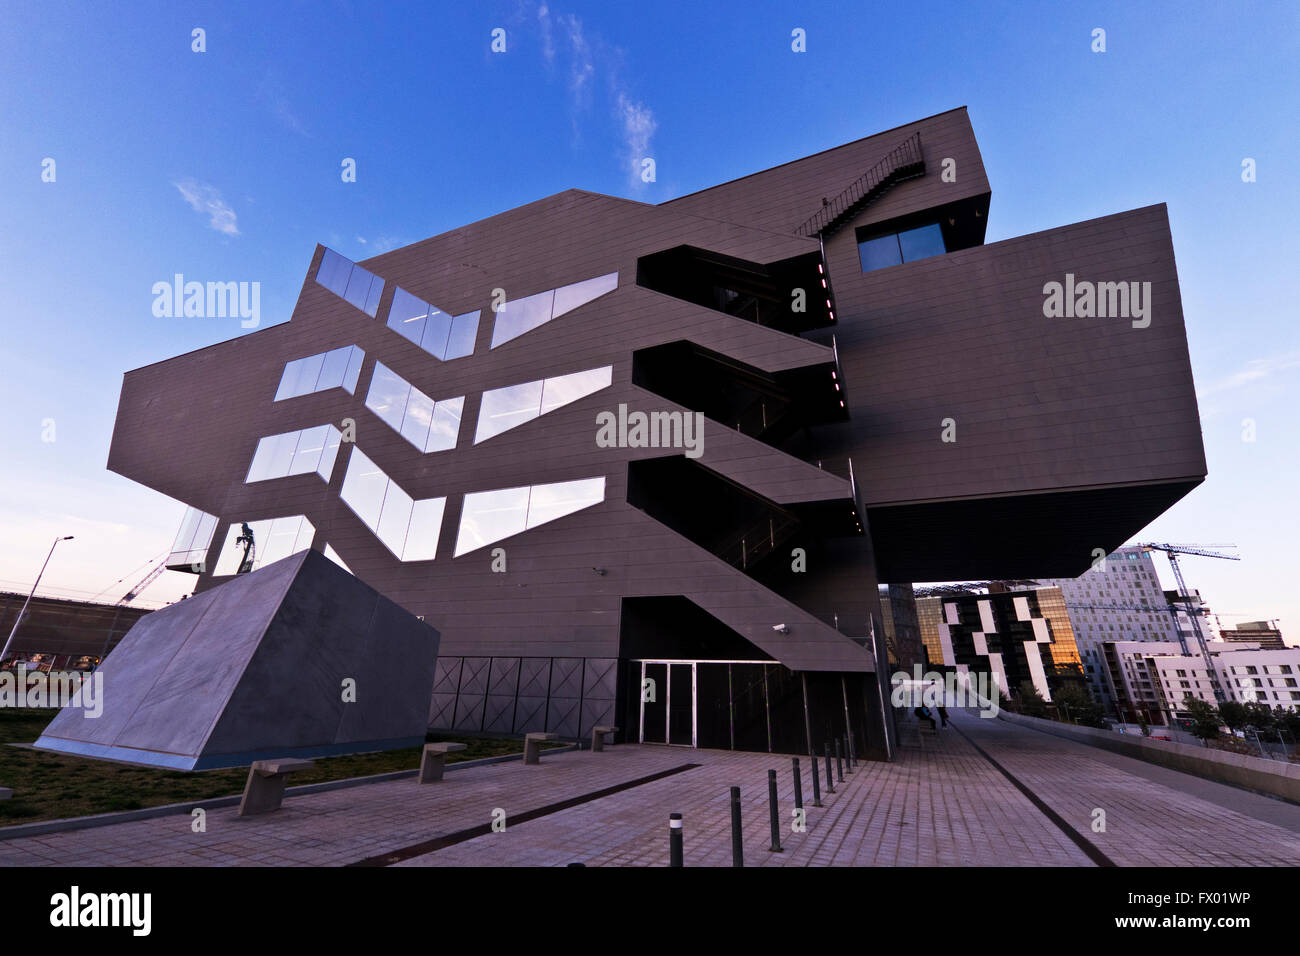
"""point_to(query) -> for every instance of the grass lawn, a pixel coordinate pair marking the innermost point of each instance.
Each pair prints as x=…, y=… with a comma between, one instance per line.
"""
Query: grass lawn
x=50, y=786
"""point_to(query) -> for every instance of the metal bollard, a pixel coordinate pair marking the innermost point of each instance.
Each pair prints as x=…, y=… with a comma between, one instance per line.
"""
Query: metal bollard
x=775, y=812
x=816, y=777
x=737, y=844
x=830, y=780
x=839, y=763
x=798, y=785
x=853, y=750
x=674, y=839
x=848, y=756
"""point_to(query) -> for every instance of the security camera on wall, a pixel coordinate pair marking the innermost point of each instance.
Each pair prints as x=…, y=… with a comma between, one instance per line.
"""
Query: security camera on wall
x=781, y=628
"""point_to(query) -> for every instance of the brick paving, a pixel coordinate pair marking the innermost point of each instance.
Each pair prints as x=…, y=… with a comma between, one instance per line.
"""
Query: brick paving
x=940, y=803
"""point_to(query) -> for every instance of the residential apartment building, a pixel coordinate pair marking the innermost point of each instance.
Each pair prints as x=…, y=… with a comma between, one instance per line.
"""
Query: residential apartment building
x=1264, y=633
x=1014, y=636
x=1120, y=599
x=1152, y=679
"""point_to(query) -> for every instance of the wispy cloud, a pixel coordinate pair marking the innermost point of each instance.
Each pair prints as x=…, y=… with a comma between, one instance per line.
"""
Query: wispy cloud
x=206, y=199
x=582, y=66
x=638, y=129
x=548, y=34
x=585, y=58
x=1252, y=373
x=381, y=244
x=271, y=92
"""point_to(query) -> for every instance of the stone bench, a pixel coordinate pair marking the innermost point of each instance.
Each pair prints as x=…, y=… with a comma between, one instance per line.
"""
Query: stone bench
x=265, y=787
x=598, y=737
x=434, y=760
x=533, y=746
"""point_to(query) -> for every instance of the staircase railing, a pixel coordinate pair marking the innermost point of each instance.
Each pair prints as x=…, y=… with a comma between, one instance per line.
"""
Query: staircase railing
x=902, y=162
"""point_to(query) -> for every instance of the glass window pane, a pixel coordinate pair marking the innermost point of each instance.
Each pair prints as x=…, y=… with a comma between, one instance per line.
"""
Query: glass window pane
x=569, y=297
x=333, y=369
x=185, y=536
x=394, y=519
x=490, y=516
x=289, y=380
x=569, y=388
x=407, y=314
x=334, y=271
x=426, y=525
x=303, y=381
x=358, y=287
x=879, y=253
x=203, y=536
x=279, y=541
x=921, y=243
x=332, y=440
x=273, y=456
x=419, y=415
x=376, y=293
x=504, y=408
x=435, y=333
x=549, y=502
x=334, y=556
x=232, y=553
x=363, y=488
x=311, y=443
x=521, y=315
x=306, y=534
x=388, y=395
x=355, y=359
x=464, y=330
x=445, y=430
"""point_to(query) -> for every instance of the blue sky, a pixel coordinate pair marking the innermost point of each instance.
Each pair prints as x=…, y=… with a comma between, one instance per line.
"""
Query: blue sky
x=225, y=165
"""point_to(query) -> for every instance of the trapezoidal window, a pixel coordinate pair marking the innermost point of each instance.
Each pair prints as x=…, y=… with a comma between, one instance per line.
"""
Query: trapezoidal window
x=505, y=408
x=490, y=516
x=516, y=316
x=349, y=281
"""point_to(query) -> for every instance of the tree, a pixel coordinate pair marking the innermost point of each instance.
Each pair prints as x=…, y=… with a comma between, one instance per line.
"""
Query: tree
x=1031, y=703
x=1078, y=705
x=1260, y=716
x=1233, y=714
x=1205, y=719
x=1288, y=719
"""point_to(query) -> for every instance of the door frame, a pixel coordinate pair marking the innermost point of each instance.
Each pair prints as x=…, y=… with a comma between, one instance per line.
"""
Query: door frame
x=668, y=700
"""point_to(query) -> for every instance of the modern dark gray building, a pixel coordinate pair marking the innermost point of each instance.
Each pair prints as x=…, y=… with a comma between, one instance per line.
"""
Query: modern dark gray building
x=648, y=464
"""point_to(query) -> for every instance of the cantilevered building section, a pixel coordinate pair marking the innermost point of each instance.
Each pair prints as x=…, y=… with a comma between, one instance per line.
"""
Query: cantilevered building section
x=880, y=397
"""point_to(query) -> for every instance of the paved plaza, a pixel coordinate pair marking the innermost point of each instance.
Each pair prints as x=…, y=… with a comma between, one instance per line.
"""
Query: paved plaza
x=943, y=802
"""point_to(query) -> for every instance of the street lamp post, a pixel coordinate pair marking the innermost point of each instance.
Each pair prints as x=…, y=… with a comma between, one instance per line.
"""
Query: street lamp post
x=19, y=619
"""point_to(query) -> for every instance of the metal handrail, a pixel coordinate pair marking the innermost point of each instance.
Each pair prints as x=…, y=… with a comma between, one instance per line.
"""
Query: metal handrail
x=903, y=159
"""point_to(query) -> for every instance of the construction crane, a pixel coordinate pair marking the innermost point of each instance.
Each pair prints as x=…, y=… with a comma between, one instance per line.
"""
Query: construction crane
x=144, y=582
x=1194, y=613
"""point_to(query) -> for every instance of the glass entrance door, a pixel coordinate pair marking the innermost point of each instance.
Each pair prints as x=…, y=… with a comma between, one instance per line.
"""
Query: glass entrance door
x=668, y=703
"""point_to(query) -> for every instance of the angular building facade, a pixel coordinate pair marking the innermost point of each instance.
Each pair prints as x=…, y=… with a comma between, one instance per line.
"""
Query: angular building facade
x=648, y=465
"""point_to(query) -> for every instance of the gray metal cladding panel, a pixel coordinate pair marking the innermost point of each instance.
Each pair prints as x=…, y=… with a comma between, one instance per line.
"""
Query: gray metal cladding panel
x=530, y=715
x=535, y=677
x=596, y=712
x=469, y=712
x=562, y=716
x=566, y=677
x=474, y=676
x=499, y=715
x=504, y=679
x=446, y=679
x=442, y=710
x=600, y=678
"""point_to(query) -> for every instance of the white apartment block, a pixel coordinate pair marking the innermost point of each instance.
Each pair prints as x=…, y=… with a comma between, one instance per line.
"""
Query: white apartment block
x=1119, y=600
x=1156, y=677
